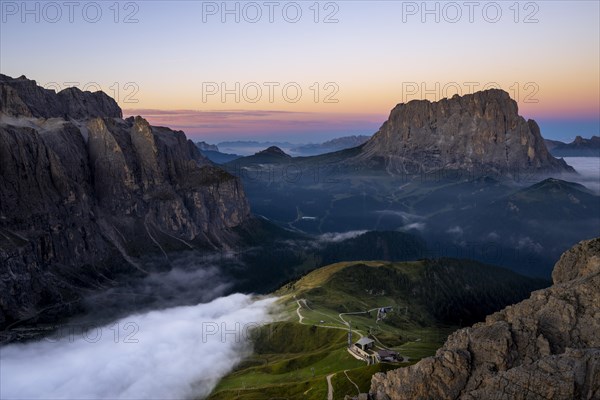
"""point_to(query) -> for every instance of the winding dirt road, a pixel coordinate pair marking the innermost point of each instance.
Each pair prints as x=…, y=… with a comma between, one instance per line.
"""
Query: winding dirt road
x=329, y=387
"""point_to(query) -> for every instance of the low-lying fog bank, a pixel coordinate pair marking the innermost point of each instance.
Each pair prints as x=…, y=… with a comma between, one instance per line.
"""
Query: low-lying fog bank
x=174, y=353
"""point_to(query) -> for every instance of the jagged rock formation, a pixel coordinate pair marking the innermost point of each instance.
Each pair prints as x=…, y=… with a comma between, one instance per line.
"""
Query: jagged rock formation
x=546, y=347
x=86, y=195
x=481, y=132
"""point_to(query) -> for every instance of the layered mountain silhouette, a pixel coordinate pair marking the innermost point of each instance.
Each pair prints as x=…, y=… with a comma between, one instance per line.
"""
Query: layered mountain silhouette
x=87, y=197
x=211, y=151
x=481, y=132
x=464, y=173
x=330, y=146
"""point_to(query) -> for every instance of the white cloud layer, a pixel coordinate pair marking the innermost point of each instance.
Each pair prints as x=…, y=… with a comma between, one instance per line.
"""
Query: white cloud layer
x=420, y=226
x=175, y=353
x=589, y=170
x=340, y=237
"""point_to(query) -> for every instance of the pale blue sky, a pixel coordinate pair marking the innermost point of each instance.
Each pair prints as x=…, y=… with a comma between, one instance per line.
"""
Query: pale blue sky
x=370, y=54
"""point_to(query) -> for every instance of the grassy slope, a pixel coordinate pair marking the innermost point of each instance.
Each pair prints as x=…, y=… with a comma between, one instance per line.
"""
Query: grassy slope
x=292, y=360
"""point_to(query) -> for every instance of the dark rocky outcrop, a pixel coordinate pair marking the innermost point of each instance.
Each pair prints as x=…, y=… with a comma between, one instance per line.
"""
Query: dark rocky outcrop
x=546, y=347
x=481, y=131
x=86, y=195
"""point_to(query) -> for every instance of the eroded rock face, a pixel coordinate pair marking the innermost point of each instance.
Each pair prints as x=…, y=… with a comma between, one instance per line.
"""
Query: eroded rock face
x=546, y=347
x=581, y=260
x=86, y=195
x=480, y=132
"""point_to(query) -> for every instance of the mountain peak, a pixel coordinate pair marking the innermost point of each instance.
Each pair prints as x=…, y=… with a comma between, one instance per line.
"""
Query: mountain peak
x=477, y=131
x=274, y=151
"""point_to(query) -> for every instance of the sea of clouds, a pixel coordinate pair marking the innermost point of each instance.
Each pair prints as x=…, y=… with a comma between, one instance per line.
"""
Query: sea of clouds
x=175, y=353
x=588, y=169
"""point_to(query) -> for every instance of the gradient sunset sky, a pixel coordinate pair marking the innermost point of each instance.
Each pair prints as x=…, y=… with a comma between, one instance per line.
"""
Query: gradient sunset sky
x=352, y=60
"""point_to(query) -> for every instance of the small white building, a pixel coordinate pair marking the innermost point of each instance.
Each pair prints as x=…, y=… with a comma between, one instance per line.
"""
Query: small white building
x=365, y=344
x=363, y=349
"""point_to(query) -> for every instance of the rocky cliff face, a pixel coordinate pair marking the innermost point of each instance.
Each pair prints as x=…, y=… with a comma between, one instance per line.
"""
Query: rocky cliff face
x=480, y=132
x=546, y=347
x=86, y=195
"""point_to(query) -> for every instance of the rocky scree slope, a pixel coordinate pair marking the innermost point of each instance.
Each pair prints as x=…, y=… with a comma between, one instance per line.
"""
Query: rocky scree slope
x=86, y=195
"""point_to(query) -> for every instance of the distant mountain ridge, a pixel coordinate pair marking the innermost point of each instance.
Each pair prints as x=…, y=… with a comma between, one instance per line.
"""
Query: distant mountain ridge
x=580, y=147
x=481, y=133
x=248, y=147
x=211, y=151
x=330, y=146
x=203, y=146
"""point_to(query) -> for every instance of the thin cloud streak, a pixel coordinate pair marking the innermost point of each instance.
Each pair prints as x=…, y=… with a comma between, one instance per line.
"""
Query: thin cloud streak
x=240, y=124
